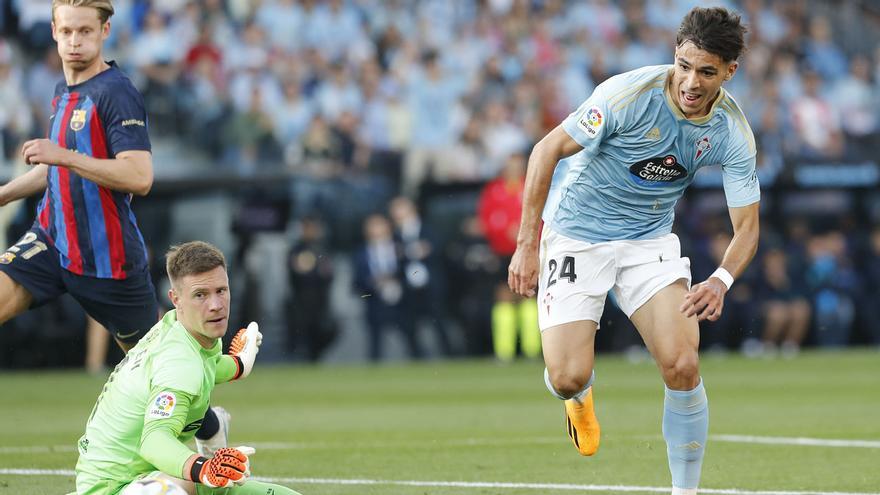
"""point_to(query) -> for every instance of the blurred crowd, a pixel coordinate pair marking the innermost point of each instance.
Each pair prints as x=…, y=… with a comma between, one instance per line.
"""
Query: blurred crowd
x=370, y=105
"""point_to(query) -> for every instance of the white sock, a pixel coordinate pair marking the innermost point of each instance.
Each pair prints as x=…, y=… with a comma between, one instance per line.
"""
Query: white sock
x=684, y=491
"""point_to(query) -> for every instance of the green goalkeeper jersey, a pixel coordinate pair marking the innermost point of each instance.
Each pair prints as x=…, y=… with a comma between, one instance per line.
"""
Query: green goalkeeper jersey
x=152, y=403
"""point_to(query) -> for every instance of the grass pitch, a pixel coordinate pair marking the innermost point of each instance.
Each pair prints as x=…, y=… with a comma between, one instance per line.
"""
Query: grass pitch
x=476, y=427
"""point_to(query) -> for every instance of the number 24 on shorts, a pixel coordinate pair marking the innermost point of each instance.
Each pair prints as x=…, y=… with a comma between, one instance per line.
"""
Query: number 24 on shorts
x=567, y=271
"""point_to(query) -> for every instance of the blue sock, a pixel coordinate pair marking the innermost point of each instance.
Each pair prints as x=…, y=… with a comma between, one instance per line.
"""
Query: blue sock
x=210, y=425
x=686, y=428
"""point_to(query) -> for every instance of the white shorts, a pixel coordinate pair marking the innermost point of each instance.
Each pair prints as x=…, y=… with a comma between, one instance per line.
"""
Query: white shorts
x=575, y=276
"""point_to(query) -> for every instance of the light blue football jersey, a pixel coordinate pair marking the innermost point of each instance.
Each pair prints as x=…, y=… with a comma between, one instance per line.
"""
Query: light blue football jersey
x=640, y=154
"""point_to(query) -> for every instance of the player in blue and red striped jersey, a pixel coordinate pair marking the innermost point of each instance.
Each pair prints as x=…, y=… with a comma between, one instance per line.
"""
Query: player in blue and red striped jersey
x=85, y=239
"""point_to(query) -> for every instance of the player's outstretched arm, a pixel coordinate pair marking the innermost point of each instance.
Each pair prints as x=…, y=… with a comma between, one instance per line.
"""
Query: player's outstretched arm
x=242, y=353
x=706, y=299
x=27, y=184
x=522, y=274
x=130, y=172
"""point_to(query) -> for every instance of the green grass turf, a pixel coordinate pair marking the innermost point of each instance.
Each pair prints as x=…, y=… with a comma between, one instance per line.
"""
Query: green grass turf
x=478, y=421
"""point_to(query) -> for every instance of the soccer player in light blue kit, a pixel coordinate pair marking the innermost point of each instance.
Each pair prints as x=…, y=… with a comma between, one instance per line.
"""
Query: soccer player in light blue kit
x=607, y=180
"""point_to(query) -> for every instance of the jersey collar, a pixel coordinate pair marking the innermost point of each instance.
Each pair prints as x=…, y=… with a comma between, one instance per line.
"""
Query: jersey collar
x=670, y=102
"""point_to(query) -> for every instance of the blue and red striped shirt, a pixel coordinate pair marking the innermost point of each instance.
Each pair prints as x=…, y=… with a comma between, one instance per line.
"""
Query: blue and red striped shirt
x=93, y=227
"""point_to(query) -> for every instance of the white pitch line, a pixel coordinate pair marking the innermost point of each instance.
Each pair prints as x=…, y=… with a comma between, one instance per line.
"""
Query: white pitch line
x=814, y=442
x=478, y=484
x=490, y=442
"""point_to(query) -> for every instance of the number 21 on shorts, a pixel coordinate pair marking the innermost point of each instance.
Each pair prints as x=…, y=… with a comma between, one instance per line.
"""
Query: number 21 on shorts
x=29, y=238
x=567, y=270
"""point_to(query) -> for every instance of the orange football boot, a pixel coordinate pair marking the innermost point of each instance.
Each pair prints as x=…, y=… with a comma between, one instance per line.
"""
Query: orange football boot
x=583, y=427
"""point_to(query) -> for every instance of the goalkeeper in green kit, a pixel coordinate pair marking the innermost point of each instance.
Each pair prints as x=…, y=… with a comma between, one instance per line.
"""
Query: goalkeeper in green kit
x=155, y=400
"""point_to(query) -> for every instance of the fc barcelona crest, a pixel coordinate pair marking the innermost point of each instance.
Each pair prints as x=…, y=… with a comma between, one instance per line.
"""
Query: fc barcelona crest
x=78, y=120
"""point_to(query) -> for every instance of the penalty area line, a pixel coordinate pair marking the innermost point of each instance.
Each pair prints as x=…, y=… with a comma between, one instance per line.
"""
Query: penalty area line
x=476, y=484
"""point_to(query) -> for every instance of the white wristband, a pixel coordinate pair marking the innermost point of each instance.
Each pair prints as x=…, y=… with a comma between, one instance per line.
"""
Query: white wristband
x=724, y=276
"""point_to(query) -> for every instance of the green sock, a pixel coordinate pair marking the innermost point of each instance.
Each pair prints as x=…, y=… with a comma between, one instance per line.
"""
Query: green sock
x=504, y=330
x=530, y=335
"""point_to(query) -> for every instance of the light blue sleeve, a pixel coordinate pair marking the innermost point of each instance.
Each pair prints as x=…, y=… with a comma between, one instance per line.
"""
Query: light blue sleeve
x=738, y=170
x=592, y=121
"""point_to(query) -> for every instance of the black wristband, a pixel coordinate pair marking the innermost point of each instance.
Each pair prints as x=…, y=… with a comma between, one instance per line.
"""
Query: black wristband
x=196, y=469
x=240, y=367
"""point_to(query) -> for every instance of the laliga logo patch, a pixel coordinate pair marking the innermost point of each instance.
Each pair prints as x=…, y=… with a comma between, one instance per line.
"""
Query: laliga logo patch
x=163, y=406
x=703, y=146
x=658, y=171
x=591, y=121
x=6, y=258
x=78, y=120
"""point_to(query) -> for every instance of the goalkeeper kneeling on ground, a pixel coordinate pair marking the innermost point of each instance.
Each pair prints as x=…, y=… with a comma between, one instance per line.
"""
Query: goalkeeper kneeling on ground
x=155, y=400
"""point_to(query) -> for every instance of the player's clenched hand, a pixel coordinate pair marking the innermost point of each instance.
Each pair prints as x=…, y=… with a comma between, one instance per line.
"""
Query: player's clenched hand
x=228, y=466
x=38, y=151
x=705, y=300
x=522, y=275
x=244, y=348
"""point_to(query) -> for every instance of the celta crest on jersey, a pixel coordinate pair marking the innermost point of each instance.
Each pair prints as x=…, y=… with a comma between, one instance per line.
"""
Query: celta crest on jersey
x=703, y=146
x=658, y=170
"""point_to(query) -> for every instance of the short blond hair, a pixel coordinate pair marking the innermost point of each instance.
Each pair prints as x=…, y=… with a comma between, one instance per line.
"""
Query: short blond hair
x=192, y=258
x=104, y=7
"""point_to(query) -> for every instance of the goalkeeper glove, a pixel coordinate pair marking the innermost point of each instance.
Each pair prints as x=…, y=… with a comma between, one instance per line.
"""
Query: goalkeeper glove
x=229, y=466
x=244, y=348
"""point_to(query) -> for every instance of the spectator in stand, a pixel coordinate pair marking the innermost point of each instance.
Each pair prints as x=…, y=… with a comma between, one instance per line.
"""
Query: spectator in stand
x=249, y=137
x=859, y=101
x=501, y=137
x=500, y=208
x=434, y=100
x=41, y=79
x=157, y=55
x=737, y=323
x=311, y=326
x=379, y=282
x=338, y=93
x=34, y=20
x=474, y=269
x=16, y=119
x=784, y=301
x=832, y=283
x=424, y=281
x=292, y=118
x=816, y=123
x=821, y=53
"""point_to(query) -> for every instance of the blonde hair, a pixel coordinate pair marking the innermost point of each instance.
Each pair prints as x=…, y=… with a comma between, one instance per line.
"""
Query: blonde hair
x=192, y=258
x=104, y=7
